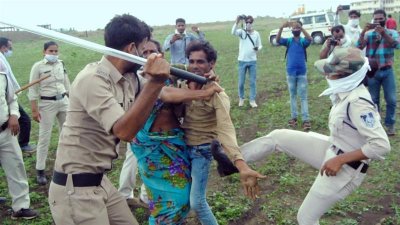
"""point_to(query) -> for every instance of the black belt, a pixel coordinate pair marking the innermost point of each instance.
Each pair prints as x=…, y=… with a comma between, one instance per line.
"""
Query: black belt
x=54, y=98
x=355, y=164
x=4, y=126
x=79, y=180
x=385, y=68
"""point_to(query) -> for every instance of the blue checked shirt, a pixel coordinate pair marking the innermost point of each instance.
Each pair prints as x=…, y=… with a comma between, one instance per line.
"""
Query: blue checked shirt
x=384, y=51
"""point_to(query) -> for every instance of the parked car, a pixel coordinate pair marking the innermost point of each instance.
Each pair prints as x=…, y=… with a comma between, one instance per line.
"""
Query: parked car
x=318, y=25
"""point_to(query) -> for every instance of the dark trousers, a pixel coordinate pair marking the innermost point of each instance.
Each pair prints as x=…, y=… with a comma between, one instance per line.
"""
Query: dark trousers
x=24, y=127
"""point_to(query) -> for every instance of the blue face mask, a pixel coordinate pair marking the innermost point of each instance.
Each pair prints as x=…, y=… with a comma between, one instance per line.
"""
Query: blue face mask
x=296, y=33
x=8, y=53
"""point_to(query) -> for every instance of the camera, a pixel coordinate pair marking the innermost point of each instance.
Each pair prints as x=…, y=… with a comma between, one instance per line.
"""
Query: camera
x=242, y=17
x=333, y=41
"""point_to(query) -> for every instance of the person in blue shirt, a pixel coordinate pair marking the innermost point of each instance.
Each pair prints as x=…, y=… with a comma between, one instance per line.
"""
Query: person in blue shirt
x=296, y=70
x=179, y=40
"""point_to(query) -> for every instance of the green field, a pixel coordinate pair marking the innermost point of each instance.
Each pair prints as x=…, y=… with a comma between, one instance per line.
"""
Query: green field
x=288, y=180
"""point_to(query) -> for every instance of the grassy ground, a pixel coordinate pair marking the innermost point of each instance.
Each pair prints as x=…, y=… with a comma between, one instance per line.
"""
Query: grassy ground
x=377, y=201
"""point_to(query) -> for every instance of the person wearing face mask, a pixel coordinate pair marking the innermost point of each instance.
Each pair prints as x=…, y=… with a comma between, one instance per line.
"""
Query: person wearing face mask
x=296, y=70
x=24, y=120
x=380, y=44
x=339, y=39
x=249, y=46
x=352, y=28
x=178, y=41
x=11, y=159
x=342, y=158
x=49, y=101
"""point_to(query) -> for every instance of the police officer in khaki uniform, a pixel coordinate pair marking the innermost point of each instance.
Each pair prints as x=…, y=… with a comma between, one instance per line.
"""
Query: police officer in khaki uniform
x=53, y=103
x=103, y=110
x=356, y=137
x=10, y=153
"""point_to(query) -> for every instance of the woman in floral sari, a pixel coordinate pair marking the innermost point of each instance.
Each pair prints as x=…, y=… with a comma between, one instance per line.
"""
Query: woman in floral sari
x=162, y=154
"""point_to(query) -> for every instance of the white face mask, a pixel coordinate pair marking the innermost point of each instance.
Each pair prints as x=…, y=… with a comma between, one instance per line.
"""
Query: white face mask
x=354, y=22
x=8, y=53
x=51, y=58
x=249, y=26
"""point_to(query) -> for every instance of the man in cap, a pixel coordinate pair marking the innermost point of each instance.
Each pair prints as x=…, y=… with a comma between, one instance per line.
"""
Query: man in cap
x=356, y=137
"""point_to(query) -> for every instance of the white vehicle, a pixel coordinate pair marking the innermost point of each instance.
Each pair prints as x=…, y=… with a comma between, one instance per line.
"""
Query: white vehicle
x=318, y=25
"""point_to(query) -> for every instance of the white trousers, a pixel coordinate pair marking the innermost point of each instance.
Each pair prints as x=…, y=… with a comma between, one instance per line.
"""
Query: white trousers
x=313, y=149
x=13, y=166
x=127, y=178
x=49, y=110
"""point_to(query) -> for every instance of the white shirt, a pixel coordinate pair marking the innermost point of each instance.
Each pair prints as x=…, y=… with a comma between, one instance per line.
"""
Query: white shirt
x=246, y=47
x=6, y=109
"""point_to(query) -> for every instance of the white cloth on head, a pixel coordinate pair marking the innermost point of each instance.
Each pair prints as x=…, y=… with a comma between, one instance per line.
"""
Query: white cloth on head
x=12, y=82
x=347, y=83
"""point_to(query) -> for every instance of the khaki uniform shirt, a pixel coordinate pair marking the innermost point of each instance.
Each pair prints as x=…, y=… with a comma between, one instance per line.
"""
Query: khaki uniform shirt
x=100, y=95
x=208, y=120
x=57, y=83
x=6, y=108
x=370, y=136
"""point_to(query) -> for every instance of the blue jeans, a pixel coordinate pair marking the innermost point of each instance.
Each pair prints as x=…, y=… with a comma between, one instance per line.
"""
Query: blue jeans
x=298, y=86
x=201, y=157
x=252, y=68
x=386, y=79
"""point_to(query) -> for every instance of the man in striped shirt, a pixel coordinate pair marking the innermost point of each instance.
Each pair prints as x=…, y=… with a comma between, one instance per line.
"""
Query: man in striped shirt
x=380, y=44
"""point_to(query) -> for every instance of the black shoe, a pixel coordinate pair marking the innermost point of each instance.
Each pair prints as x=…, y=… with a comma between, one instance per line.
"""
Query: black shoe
x=3, y=200
x=225, y=166
x=25, y=214
x=41, y=177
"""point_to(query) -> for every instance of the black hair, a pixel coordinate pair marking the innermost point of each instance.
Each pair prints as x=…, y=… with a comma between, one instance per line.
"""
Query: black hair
x=48, y=44
x=204, y=46
x=250, y=18
x=125, y=29
x=390, y=16
x=180, y=20
x=4, y=41
x=337, y=27
x=380, y=11
x=357, y=13
x=158, y=45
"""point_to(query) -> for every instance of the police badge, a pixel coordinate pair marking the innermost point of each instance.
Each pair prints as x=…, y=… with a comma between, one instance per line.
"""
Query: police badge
x=368, y=119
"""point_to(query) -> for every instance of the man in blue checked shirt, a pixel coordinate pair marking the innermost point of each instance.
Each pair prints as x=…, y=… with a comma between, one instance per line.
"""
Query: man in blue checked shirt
x=380, y=44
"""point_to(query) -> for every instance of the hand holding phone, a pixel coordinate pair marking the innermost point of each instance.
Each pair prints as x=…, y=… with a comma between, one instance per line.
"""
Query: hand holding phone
x=373, y=25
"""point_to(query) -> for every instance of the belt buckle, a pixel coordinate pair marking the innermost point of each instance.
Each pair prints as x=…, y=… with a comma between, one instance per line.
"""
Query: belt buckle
x=59, y=96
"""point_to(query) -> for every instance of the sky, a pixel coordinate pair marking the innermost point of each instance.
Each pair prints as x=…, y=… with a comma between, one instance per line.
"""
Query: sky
x=93, y=14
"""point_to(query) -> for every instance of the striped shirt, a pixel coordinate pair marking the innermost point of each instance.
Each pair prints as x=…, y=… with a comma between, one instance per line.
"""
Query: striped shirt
x=384, y=51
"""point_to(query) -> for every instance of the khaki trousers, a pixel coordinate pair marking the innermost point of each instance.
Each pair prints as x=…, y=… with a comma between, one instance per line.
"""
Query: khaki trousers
x=13, y=166
x=49, y=110
x=313, y=149
x=100, y=205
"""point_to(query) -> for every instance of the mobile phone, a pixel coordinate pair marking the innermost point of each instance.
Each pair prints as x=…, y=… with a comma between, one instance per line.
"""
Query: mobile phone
x=345, y=7
x=373, y=25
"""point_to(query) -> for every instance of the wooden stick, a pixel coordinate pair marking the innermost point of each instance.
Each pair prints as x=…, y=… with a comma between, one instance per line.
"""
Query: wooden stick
x=32, y=83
